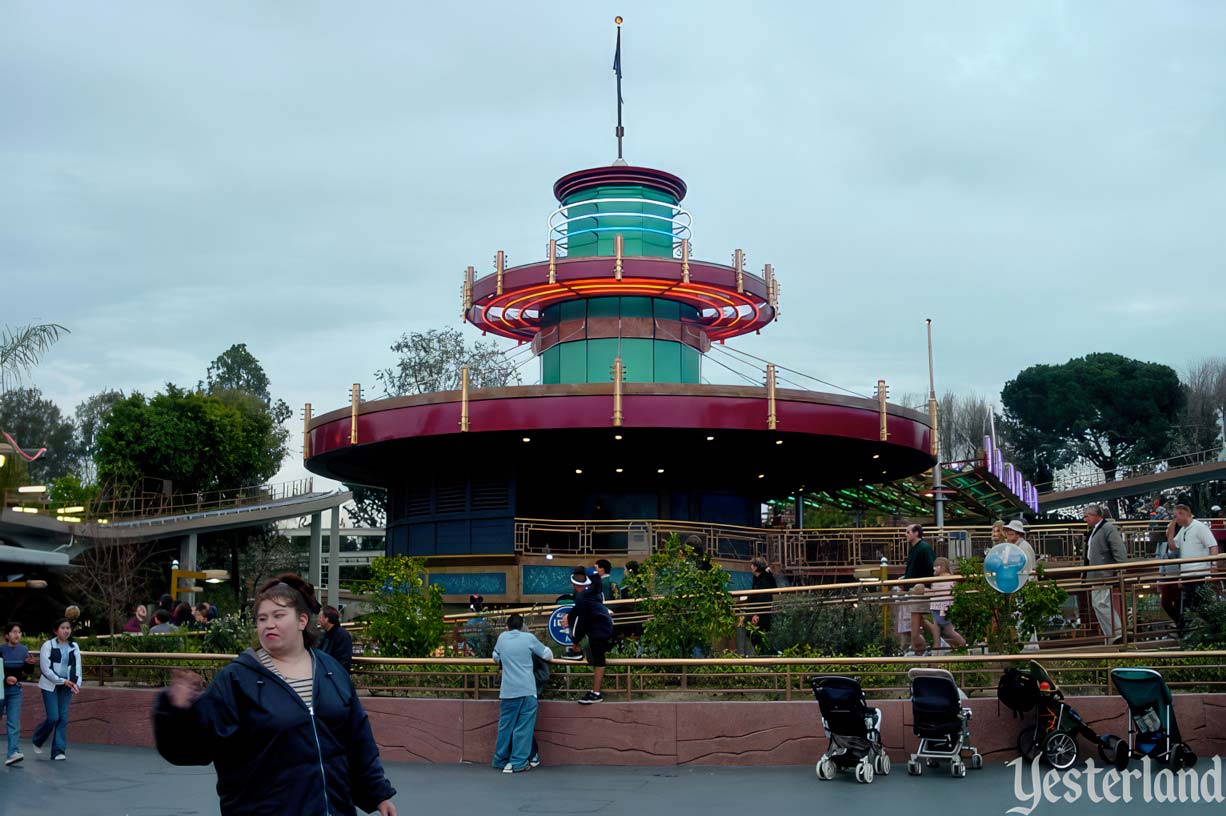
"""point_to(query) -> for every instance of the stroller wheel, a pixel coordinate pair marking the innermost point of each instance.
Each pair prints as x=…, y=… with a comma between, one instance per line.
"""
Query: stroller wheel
x=1028, y=742
x=957, y=769
x=933, y=763
x=914, y=768
x=864, y=771
x=882, y=764
x=1183, y=757
x=1113, y=751
x=825, y=769
x=1060, y=750
x=976, y=760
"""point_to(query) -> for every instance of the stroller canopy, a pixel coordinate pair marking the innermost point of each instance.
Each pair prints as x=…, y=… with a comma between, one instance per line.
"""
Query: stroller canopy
x=842, y=702
x=936, y=702
x=1142, y=689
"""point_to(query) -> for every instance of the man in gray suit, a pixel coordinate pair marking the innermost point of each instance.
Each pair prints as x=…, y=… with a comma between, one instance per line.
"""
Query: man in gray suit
x=1104, y=545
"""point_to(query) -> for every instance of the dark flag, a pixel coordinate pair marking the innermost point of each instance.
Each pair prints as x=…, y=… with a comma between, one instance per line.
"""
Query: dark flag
x=617, y=63
x=617, y=69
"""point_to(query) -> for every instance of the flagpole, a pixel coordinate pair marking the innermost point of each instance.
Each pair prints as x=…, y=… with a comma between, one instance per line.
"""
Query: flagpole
x=617, y=69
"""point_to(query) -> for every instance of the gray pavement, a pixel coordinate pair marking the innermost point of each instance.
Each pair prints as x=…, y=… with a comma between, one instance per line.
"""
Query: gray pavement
x=116, y=781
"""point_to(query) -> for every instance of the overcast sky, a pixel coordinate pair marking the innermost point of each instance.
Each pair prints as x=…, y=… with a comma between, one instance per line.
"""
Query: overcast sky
x=1044, y=180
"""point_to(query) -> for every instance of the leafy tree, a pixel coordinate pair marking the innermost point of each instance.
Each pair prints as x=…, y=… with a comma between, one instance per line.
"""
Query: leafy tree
x=90, y=415
x=237, y=370
x=69, y=490
x=22, y=347
x=36, y=422
x=369, y=506
x=1205, y=392
x=112, y=578
x=687, y=604
x=962, y=423
x=265, y=554
x=981, y=613
x=199, y=442
x=406, y=618
x=1103, y=408
x=431, y=361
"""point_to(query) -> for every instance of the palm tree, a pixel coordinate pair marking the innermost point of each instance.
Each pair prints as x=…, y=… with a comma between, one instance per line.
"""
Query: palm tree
x=21, y=349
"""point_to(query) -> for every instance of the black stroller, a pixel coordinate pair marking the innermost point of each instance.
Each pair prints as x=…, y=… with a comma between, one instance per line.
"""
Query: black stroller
x=941, y=723
x=1153, y=730
x=853, y=730
x=1056, y=724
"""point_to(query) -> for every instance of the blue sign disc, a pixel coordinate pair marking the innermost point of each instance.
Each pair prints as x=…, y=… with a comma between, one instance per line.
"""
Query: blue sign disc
x=558, y=630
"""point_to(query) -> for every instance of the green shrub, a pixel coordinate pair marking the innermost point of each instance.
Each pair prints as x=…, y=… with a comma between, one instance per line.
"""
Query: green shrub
x=1206, y=624
x=982, y=614
x=229, y=634
x=829, y=629
x=406, y=617
x=686, y=599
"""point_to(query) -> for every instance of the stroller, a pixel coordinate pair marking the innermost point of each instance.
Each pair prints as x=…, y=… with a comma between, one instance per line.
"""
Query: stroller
x=853, y=730
x=941, y=723
x=1153, y=730
x=1056, y=725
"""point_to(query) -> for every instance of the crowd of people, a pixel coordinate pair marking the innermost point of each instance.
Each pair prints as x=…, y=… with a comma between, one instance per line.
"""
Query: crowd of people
x=293, y=692
x=169, y=616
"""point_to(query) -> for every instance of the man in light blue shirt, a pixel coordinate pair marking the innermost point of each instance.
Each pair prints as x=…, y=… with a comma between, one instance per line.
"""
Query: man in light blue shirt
x=513, y=750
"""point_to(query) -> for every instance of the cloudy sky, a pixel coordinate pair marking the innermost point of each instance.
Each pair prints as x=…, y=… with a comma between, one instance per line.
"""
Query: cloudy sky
x=1044, y=180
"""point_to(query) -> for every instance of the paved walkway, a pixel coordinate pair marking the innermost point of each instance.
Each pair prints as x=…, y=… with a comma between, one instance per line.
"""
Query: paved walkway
x=119, y=781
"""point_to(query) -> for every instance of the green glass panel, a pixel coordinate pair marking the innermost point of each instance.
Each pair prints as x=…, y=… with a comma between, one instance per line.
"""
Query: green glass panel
x=600, y=356
x=602, y=307
x=594, y=235
x=551, y=362
x=573, y=367
x=667, y=309
x=691, y=365
x=638, y=359
x=636, y=307
x=549, y=317
x=668, y=361
x=574, y=310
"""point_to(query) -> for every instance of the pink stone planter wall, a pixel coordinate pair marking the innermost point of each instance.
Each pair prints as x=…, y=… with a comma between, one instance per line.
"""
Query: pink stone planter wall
x=647, y=733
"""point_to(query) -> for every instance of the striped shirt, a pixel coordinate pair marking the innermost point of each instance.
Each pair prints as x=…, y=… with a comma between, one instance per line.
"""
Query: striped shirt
x=301, y=686
x=940, y=596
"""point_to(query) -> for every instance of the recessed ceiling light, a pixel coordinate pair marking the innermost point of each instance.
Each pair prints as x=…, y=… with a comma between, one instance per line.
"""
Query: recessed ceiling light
x=619, y=470
x=883, y=473
x=659, y=470
x=778, y=441
x=876, y=455
x=617, y=436
x=527, y=439
x=761, y=475
x=710, y=439
x=577, y=470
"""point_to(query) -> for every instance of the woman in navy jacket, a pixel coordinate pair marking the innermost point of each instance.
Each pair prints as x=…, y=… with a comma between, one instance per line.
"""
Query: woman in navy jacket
x=282, y=724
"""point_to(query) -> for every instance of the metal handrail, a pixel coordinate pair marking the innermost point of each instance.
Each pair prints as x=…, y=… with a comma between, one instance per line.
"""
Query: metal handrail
x=152, y=505
x=1093, y=476
x=642, y=678
x=799, y=551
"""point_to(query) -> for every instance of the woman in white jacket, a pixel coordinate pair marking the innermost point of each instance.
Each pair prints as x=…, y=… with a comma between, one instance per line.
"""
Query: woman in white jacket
x=59, y=663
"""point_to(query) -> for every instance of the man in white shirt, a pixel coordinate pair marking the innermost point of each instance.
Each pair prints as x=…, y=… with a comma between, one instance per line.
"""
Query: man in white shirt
x=1193, y=539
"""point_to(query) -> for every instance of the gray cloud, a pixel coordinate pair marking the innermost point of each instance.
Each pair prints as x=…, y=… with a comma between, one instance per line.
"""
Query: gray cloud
x=1044, y=181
